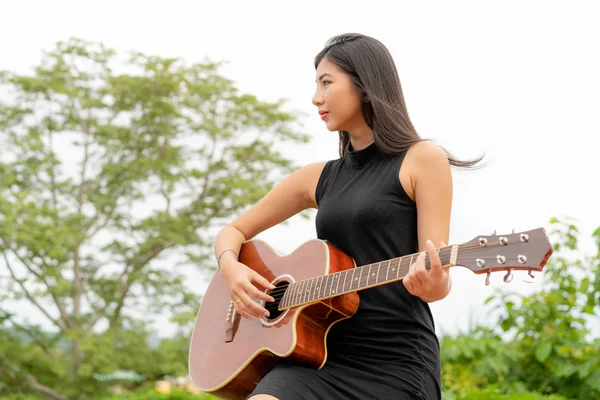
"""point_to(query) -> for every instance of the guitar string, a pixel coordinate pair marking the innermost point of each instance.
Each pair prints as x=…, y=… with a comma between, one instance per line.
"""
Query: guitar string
x=444, y=252
x=404, y=269
x=280, y=295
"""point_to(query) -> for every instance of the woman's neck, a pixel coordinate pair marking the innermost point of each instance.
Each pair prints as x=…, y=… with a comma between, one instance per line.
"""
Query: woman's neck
x=361, y=136
x=360, y=142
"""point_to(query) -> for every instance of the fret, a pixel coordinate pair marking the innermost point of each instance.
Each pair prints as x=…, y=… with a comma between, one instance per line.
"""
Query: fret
x=283, y=302
x=351, y=272
x=313, y=294
x=368, y=275
x=348, y=279
x=322, y=286
x=336, y=279
x=292, y=288
x=387, y=271
x=404, y=268
x=297, y=292
x=330, y=284
x=354, y=278
x=363, y=272
x=372, y=275
x=377, y=276
x=398, y=267
x=288, y=294
x=300, y=291
x=307, y=291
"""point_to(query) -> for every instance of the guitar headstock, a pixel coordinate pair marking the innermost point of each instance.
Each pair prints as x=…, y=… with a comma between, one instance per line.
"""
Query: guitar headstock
x=528, y=250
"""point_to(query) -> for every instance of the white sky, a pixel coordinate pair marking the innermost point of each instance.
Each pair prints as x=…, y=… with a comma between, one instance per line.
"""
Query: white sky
x=516, y=80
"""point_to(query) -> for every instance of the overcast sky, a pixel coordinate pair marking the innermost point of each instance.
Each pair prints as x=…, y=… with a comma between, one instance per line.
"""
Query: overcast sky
x=516, y=80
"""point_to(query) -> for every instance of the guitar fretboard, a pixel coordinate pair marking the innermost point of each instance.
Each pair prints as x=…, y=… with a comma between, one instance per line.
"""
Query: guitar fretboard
x=354, y=279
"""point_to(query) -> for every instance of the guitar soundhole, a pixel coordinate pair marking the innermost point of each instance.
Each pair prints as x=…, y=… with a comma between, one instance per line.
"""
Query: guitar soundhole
x=277, y=294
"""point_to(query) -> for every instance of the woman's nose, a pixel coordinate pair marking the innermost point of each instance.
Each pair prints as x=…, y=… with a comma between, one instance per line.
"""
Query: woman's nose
x=317, y=99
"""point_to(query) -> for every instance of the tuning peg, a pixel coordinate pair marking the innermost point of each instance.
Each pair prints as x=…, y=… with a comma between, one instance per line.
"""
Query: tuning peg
x=487, y=278
x=513, y=230
x=509, y=276
x=532, y=277
x=494, y=233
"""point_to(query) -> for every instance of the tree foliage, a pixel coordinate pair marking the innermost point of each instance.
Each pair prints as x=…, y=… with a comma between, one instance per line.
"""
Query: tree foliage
x=114, y=173
x=543, y=342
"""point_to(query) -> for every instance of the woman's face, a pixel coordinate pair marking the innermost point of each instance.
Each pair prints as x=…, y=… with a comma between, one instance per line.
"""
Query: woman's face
x=337, y=96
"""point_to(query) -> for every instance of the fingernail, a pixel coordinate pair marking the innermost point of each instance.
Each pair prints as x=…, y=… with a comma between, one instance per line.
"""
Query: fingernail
x=267, y=314
x=272, y=299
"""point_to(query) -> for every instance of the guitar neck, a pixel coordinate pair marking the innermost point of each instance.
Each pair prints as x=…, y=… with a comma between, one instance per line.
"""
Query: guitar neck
x=363, y=277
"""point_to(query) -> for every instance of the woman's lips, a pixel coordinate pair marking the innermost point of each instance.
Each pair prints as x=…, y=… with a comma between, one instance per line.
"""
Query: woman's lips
x=324, y=115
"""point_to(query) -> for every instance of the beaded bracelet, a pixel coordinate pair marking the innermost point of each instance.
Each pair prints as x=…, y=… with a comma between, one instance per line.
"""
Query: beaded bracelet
x=221, y=255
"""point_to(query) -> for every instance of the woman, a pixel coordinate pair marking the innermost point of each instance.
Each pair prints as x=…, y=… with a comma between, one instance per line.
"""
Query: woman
x=389, y=194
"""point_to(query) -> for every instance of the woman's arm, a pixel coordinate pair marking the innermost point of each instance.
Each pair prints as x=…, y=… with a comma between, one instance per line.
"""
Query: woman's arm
x=431, y=182
x=294, y=194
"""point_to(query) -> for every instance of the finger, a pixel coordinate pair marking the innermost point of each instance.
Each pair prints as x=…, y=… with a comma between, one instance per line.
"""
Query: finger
x=252, y=306
x=416, y=275
x=253, y=290
x=408, y=284
x=241, y=309
x=246, y=303
x=257, y=278
x=434, y=258
x=420, y=271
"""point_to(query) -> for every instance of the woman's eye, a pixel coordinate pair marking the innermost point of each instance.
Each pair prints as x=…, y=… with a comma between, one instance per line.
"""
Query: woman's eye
x=324, y=82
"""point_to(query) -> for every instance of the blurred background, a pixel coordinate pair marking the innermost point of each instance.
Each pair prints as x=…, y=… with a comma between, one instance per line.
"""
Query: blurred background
x=131, y=132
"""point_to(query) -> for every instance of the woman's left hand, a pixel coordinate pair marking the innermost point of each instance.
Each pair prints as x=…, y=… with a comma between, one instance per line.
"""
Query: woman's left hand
x=429, y=285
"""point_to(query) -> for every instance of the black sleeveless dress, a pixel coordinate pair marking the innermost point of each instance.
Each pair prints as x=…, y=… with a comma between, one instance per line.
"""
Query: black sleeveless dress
x=388, y=349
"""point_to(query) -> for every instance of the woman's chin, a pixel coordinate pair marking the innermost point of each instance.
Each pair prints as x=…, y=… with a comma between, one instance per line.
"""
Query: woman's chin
x=331, y=127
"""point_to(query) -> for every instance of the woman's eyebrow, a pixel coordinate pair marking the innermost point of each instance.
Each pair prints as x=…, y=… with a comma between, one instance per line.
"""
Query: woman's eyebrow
x=323, y=75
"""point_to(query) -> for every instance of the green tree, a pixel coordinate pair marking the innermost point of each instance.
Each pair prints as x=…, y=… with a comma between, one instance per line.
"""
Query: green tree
x=113, y=176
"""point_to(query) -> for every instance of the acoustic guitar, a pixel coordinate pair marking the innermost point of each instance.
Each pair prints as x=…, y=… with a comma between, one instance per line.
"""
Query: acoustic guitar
x=315, y=287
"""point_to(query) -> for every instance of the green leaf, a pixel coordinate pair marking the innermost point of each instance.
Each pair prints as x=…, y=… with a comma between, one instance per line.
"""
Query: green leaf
x=565, y=370
x=543, y=350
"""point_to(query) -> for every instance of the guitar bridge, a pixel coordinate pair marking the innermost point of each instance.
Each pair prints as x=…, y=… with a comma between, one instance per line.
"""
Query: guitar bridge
x=231, y=322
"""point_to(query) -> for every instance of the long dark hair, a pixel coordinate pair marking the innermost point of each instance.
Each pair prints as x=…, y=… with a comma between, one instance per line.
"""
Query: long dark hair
x=373, y=72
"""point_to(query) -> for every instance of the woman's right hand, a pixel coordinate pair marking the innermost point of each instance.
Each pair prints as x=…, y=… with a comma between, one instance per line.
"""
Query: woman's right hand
x=241, y=282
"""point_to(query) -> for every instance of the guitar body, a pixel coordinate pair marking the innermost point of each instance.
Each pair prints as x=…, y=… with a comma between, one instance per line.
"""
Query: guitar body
x=230, y=355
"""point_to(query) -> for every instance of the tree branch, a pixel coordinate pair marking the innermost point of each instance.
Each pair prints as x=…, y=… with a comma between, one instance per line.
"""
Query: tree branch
x=134, y=265
x=52, y=176
x=37, y=340
x=33, y=383
x=60, y=324
x=137, y=263
x=59, y=305
x=77, y=284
